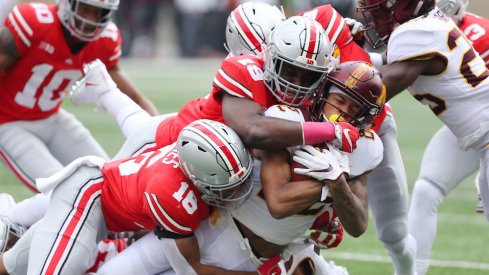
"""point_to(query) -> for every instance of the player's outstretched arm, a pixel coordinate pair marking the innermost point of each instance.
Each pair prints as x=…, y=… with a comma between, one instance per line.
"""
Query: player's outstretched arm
x=127, y=86
x=8, y=50
x=258, y=131
x=255, y=129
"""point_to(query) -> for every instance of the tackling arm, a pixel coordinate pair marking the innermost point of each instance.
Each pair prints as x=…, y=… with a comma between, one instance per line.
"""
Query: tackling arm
x=285, y=198
x=350, y=200
x=126, y=86
x=256, y=130
x=8, y=50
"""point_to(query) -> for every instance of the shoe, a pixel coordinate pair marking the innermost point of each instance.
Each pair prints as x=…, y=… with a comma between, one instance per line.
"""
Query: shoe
x=10, y=233
x=97, y=82
x=479, y=207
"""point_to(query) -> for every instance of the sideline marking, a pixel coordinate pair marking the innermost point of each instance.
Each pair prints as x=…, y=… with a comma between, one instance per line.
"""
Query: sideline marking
x=386, y=259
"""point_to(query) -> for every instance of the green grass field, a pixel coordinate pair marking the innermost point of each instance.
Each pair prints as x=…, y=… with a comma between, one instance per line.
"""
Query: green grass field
x=463, y=235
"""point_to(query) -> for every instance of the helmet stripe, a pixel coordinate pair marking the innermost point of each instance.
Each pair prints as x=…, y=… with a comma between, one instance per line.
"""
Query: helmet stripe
x=220, y=144
x=311, y=39
x=243, y=26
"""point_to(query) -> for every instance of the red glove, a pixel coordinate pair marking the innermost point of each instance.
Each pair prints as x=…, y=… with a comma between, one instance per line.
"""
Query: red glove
x=274, y=266
x=327, y=231
x=346, y=136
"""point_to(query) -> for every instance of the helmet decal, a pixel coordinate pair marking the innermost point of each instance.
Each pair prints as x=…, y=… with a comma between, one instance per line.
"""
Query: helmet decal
x=250, y=35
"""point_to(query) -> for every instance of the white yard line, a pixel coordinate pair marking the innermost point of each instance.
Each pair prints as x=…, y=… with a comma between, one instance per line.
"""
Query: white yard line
x=384, y=259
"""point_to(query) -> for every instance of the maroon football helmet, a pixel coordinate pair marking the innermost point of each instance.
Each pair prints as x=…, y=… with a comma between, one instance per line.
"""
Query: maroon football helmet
x=362, y=83
x=386, y=14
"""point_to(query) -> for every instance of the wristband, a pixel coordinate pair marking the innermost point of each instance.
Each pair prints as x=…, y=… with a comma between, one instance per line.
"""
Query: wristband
x=317, y=132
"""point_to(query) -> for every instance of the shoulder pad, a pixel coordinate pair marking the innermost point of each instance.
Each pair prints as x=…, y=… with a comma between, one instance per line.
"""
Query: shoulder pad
x=29, y=22
x=289, y=113
x=238, y=75
x=367, y=155
x=426, y=42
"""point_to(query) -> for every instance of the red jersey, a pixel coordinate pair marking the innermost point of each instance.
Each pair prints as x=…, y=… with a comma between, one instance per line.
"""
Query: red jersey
x=476, y=29
x=34, y=86
x=151, y=190
x=240, y=76
x=338, y=33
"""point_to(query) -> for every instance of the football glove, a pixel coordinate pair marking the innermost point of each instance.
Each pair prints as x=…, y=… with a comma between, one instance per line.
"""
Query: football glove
x=319, y=164
x=93, y=85
x=356, y=30
x=346, y=136
x=274, y=266
x=326, y=231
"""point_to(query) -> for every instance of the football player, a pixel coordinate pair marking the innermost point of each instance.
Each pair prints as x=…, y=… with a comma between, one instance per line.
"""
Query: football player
x=43, y=48
x=168, y=190
x=273, y=221
x=436, y=180
x=431, y=58
x=387, y=187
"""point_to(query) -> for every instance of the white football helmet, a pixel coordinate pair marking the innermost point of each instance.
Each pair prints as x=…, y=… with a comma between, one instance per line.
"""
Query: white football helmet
x=213, y=157
x=453, y=8
x=297, y=58
x=248, y=27
x=83, y=28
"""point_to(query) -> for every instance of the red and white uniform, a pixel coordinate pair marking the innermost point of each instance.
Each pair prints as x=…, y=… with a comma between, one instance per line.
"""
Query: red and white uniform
x=476, y=28
x=240, y=76
x=338, y=33
x=46, y=67
x=36, y=136
x=436, y=180
x=142, y=192
x=148, y=190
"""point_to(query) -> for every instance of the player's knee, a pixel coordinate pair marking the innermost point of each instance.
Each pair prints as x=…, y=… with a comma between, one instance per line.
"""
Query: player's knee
x=427, y=191
x=393, y=232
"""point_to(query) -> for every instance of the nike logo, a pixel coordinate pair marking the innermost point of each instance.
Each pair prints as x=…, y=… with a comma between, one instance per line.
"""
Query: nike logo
x=90, y=84
x=324, y=170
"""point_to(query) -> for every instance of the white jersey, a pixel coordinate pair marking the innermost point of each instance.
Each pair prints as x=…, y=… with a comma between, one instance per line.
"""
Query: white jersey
x=459, y=95
x=254, y=213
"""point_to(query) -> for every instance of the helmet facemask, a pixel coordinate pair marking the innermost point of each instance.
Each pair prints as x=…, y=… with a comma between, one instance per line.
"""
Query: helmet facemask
x=230, y=197
x=380, y=23
x=214, y=158
x=292, y=82
x=362, y=84
x=70, y=13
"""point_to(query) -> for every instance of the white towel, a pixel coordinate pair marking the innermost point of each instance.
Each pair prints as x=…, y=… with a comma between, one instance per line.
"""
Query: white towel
x=45, y=185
